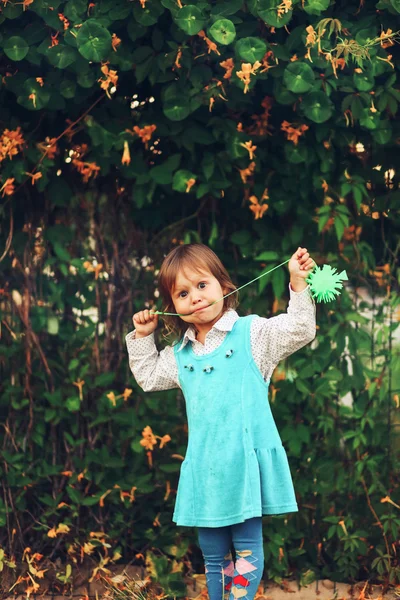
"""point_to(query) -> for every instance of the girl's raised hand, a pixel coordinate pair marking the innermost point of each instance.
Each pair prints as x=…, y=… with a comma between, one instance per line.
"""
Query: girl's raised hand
x=145, y=323
x=301, y=264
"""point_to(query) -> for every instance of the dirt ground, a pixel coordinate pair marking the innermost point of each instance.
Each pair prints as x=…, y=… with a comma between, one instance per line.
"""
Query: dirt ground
x=268, y=590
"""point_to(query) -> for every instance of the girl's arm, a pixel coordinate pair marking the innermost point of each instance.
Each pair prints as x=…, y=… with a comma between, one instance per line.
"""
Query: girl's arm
x=276, y=338
x=153, y=370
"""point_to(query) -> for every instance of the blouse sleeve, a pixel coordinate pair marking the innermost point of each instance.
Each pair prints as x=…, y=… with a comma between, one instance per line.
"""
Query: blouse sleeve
x=276, y=338
x=153, y=370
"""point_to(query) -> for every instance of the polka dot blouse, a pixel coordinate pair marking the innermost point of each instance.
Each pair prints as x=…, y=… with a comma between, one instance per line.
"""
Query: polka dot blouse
x=272, y=340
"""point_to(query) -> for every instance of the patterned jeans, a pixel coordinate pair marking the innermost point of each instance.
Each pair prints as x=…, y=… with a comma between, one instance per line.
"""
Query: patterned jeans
x=227, y=580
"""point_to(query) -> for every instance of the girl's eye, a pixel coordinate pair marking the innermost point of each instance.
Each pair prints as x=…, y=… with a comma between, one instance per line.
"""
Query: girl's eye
x=202, y=283
x=180, y=295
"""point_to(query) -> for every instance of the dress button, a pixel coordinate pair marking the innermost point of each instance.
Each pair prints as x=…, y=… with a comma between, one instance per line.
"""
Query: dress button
x=208, y=369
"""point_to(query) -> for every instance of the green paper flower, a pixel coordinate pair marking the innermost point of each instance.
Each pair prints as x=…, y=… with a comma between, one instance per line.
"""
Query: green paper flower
x=325, y=283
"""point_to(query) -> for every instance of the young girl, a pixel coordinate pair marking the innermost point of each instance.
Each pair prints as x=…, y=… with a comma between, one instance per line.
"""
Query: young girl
x=236, y=468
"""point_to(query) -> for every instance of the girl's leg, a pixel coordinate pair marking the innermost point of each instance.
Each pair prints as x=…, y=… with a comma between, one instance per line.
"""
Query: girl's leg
x=215, y=544
x=248, y=543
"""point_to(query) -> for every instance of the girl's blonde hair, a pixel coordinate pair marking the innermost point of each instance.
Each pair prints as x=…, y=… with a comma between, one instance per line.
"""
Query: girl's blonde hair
x=195, y=257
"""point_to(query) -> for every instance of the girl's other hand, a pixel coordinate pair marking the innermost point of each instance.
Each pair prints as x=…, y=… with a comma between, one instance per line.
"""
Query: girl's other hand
x=145, y=323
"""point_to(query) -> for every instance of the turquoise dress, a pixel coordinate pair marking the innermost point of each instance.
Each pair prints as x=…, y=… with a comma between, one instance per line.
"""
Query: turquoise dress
x=235, y=467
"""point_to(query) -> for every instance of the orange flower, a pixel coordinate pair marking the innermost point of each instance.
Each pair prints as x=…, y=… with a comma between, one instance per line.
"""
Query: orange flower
x=48, y=147
x=212, y=47
x=40, y=80
x=11, y=142
x=311, y=38
x=126, y=156
x=90, y=268
x=79, y=384
x=54, y=40
x=284, y=7
x=144, y=133
x=245, y=173
x=251, y=149
x=165, y=438
x=257, y=208
x=177, y=63
x=293, y=133
x=8, y=187
x=261, y=125
x=115, y=42
x=385, y=35
x=265, y=61
x=189, y=184
x=228, y=65
x=64, y=21
x=33, y=98
x=247, y=70
x=127, y=393
x=111, y=396
x=34, y=176
x=87, y=169
x=111, y=77
x=149, y=440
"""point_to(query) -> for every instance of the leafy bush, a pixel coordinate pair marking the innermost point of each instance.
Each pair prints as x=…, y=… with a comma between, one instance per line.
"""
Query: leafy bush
x=255, y=127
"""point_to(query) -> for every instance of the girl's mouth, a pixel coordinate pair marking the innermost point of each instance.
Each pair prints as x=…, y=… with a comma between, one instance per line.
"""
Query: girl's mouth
x=199, y=309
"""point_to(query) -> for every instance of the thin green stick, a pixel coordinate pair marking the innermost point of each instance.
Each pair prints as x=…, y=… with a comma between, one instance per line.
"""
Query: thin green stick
x=159, y=312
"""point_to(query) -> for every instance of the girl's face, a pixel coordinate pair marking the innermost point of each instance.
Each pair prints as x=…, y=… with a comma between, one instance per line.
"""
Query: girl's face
x=194, y=291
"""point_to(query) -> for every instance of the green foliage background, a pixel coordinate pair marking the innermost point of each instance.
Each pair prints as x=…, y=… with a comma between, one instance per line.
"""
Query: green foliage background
x=88, y=209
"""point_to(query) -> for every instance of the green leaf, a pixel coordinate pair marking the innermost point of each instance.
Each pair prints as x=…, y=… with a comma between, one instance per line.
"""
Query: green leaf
x=61, y=56
x=53, y=325
x=177, y=109
x=68, y=88
x=75, y=10
x=148, y=15
x=267, y=256
x=16, y=48
x=226, y=8
x=33, y=96
x=382, y=135
x=268, y=11
x=396, y=5
x=104, y=380
x=370, y=120
x=94, y=41
x=61, y=252
x=278, y=282
x=298, y=77
x=223, y=31
x=296, y=154
x=316, y=7
x=339, y=227
x=241, y=238
x=251, y=49
x=190, y=19
x=364, y=81
x=163, y=174
x=73, y=404
x=180, y=180
x=317, y=107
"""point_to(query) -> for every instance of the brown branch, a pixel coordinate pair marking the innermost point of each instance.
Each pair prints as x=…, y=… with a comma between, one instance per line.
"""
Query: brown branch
x=180, y=222
x=378, y=522
x=10, y=235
